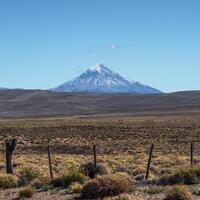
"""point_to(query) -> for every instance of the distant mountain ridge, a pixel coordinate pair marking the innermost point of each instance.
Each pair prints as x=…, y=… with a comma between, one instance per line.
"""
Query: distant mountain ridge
x=2, y=88
x=100, y=79
x=41, y=103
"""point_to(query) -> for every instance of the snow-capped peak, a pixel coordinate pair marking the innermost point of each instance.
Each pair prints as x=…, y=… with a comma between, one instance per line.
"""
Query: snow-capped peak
x=101, y=70
x=100, y=78
x=97, y=68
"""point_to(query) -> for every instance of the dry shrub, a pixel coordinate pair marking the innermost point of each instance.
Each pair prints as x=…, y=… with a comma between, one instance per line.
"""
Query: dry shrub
x=66, y=180
x=74, y=188
x=89, y=170
x=26, y=192
x=181, y=176
x=27, y=174
x=178, y=192
x=107, y=185
x=137, y=170
x=8, y=181
x=41, y=184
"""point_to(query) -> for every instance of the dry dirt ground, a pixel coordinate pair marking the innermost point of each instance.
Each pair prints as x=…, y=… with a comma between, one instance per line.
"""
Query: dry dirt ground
x=122, y=143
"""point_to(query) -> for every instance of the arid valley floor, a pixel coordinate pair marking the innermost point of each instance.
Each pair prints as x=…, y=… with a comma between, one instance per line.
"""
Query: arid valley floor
x=122, y=141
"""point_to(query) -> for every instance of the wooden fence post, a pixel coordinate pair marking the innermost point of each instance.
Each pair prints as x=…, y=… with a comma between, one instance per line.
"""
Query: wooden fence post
x=149, y=162
x=10, y=147
x=49, y=157
x=95, y=156
x=191, y=154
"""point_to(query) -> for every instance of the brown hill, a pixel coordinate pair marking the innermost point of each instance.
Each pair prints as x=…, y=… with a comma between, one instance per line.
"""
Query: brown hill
x=39, y=103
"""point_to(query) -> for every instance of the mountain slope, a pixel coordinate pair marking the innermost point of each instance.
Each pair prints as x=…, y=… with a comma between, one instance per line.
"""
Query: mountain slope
x=101, y=79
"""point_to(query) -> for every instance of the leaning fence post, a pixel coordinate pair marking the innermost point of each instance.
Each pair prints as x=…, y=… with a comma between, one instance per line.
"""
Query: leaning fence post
x=191, y=153
x=49, y=157
x=149, y=161
x=10, y=147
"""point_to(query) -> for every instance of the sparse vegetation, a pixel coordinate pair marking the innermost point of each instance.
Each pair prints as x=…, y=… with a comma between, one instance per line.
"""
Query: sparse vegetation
x=124, y=197
x=66, y=180
x=154, y=190
x=182, y=176
x=26, y=192
x=27, y=174
x=89, y=170
x=74, y=188
x=178, y=192
x=8, y=181
x=122, y=146
x=41, y=184
x=107, y=185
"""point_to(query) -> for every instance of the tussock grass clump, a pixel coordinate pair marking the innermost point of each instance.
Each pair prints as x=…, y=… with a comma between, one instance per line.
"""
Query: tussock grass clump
x=8, y=181
x=41, y=184
x=26, y=192
x=181, y=176
x=107, y=185
x=138, y=170
x=74, y=188
x=178, y=192
x=66, y=180
x=26, y=175
x=133, y=171
x=89, y=170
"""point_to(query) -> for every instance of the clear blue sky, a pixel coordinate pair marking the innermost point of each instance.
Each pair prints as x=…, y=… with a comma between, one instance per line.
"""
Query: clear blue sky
x=43, y=43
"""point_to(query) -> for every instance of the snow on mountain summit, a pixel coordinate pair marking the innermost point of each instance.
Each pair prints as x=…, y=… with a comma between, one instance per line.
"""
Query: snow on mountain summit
x=97, y=68
x=100, y=68
x=101, y=79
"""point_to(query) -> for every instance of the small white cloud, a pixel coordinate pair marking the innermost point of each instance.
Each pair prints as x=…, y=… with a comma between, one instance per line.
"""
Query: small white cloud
x=115, y=46
x=108, y=46
x=112, y=46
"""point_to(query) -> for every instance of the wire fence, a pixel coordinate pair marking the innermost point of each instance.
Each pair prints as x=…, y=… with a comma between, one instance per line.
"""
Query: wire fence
x=191, y=150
